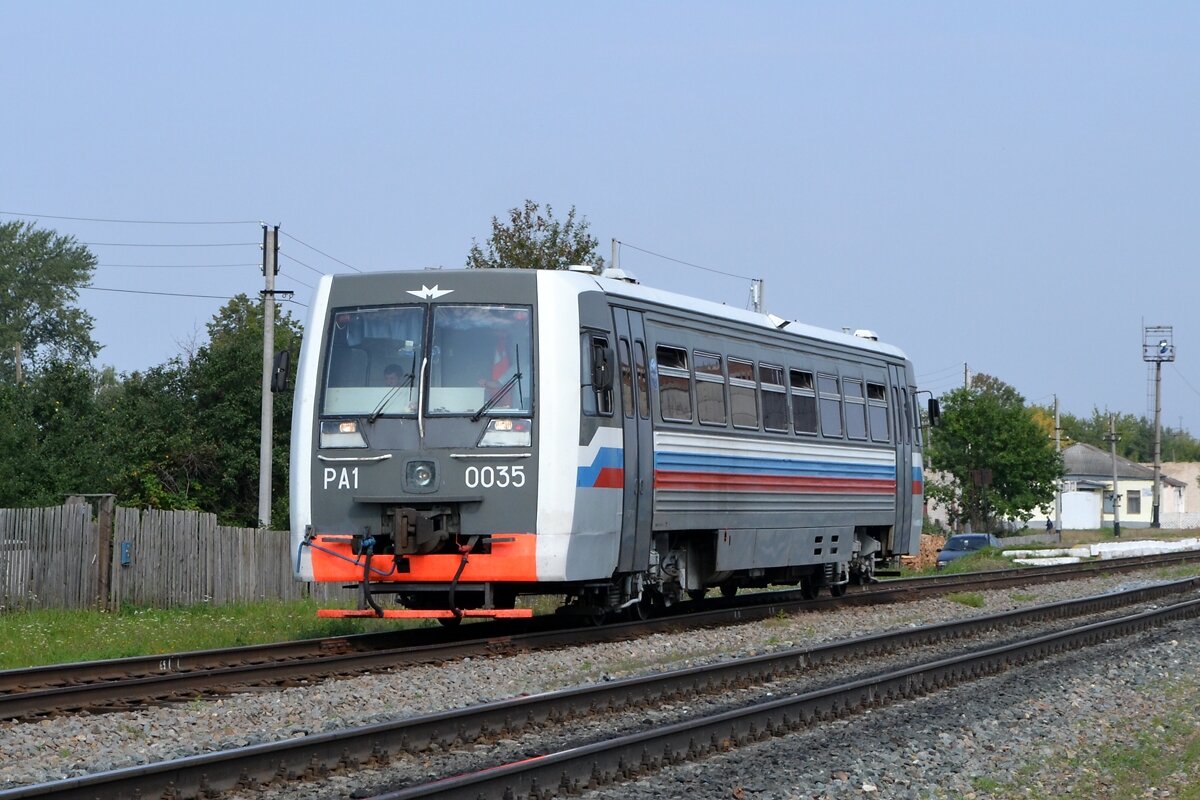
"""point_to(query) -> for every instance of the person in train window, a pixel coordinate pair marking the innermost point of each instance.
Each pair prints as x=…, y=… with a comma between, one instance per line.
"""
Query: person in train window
x=392, y=375
x=503, y=367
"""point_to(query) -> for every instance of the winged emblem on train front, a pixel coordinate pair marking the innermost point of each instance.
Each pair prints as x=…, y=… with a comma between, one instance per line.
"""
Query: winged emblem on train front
x=426, y=293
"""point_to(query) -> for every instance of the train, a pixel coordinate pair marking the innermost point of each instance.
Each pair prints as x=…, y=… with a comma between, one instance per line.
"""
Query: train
x=463, y=438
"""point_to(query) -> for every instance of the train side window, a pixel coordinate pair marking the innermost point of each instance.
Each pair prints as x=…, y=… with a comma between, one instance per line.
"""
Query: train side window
x=674, y=384
x=804, y=402
x=710, y=388
x=643, y=385
x=877, y=412
x=856, y=409
x=626, y=378
x=831, y=406
x=901, y=427
x=743, y=394
x=774, y=398
x=595, y=398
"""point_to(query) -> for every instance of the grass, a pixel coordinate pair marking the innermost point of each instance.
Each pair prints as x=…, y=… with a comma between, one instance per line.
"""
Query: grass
x=988, y=558
x=34, y=638
x=1161, y=752
x=972, y=599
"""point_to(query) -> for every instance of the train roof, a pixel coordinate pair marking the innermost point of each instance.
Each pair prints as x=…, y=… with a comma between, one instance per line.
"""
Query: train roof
x=616, y=284
x=624, y=288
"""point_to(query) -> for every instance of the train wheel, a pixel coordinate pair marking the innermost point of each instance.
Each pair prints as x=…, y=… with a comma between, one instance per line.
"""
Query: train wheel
x=728, y=590
x=450, y=622
x=697, y=594
x=837, y=589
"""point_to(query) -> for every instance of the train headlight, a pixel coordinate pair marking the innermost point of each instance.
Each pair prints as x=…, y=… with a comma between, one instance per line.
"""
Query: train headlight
x=341, y=433
x=421, y=474
x=507, y=432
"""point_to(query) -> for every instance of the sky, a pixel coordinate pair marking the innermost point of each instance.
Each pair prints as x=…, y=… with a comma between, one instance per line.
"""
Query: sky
x=1007, y=188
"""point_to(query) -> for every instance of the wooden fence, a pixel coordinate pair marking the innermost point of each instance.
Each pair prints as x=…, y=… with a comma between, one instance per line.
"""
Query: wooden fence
x=62, y=557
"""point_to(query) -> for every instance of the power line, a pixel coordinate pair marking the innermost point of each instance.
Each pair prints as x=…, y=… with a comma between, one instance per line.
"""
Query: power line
x=131, y=221
x=1184, y=379
x=202, y=244
x=301, y=263
x=322, y=252
x=178, y=266
x=931, y=373
x=685, y=263
x=297, y=280
x=161, y=294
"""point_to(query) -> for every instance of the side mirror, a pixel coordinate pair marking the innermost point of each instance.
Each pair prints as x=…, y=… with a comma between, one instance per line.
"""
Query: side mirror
x=279, y=374
x=935, y=413
x=602, y=377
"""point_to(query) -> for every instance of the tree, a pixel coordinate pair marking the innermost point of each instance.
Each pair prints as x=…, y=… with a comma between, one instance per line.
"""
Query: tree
x=157, y=457
x=227, y=385
x=51, y=442
x=1001, y=462
x=41, y=273
x=1136, y=441
x=531, y=240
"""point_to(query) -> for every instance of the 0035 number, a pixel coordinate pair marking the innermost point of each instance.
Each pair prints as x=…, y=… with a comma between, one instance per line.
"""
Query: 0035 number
x=500, y=477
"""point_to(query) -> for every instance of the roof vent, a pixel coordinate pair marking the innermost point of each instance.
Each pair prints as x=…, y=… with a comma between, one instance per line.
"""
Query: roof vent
x=617, y=274
x=588, y=268
x=864, y=333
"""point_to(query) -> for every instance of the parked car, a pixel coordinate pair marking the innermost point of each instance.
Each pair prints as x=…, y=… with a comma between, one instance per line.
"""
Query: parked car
x=963, y=544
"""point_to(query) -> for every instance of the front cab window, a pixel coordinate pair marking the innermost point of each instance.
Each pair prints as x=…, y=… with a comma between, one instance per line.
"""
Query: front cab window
x=481, y=357
x=374, y=360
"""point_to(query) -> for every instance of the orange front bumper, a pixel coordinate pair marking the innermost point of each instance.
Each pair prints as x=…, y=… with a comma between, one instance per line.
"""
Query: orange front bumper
x=513, y=560
x=404, y=613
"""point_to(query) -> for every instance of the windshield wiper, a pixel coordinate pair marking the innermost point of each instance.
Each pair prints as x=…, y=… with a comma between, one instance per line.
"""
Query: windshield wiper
x=374, y=415
x=496, y=396
x=499, y=393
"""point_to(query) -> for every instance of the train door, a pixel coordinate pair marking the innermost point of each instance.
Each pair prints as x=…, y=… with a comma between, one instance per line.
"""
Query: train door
x=904, y=451
x=638, y=440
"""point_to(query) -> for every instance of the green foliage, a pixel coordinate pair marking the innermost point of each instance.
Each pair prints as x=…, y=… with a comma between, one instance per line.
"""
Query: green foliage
x=1001, y=464
x=1136, y=437
x=49, y=445
x=533, y=240
x=32, y=638
x=159, y=460
x=226, y=377
x=41, y=273
x=972, y=599
x=182, y=435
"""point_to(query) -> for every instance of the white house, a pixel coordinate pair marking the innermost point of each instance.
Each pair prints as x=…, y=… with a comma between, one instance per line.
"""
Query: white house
x=1087, y=492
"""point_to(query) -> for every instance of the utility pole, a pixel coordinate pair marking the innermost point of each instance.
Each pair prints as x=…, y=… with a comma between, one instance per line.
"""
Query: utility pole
x=1157, y=346
x=270, y=269
x=1116, y=494
x=966, y=377
x=616, y=254
x=1058, y=493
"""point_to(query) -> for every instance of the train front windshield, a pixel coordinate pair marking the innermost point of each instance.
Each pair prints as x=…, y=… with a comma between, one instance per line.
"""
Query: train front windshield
x=476, y=357
x=481, y=357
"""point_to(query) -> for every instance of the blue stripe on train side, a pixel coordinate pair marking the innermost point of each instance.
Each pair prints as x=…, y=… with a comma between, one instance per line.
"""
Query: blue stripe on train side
x=704, y=462
x=606, y=458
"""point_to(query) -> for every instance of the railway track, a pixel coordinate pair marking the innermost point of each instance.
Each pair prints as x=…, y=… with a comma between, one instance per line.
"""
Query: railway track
x=629, y=755
x=124, y=683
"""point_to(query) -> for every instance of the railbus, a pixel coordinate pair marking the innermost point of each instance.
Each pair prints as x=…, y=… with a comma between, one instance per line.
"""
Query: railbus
x=461, y=438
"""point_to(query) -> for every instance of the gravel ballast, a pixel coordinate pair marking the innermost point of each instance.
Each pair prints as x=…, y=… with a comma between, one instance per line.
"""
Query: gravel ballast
x=961, y=743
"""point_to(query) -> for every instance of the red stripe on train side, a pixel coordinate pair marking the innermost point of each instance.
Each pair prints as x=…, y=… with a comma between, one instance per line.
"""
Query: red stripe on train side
x=708, y=481
x=610, y=478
